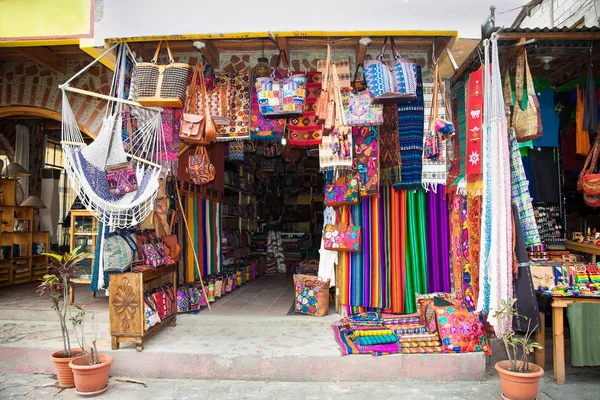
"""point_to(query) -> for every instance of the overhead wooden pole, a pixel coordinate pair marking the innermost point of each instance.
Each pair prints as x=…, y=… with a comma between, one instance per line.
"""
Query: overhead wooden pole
x=45, y=57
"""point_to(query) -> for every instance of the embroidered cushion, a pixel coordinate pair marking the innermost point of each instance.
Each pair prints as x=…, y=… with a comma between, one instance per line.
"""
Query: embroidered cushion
x=425, y=308
x=461, y=331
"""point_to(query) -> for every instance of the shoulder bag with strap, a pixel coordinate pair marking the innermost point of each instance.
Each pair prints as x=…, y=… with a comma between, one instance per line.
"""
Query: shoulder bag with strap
x=171, y=245
x=195, y=128
x=120, y=178
x=200, y=170
x=589, y=178
x=526, y=122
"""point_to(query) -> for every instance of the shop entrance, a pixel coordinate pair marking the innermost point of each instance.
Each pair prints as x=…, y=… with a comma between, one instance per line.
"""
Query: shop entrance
x=273, y=198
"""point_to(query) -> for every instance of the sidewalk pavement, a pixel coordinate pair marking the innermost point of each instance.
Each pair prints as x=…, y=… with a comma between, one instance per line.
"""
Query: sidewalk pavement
x=580, y=386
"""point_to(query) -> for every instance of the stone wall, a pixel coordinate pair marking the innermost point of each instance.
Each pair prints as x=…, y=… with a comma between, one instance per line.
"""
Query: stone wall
x=566, y=13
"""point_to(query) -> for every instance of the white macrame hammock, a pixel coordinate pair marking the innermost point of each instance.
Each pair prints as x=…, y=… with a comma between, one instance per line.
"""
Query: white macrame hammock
x=85, y=163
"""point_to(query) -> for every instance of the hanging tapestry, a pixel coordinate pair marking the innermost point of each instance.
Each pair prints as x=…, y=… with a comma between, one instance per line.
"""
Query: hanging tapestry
x=410, y=130
x=304, y=131
x=366, y=159
x=473, y=220
x=262, y=128
x=389, y=154
x=520, y=195
x=434, y=168
x=438, y=263
x=458, y=167
x=457, y=201
x=474, y=114
x=238, y=99
x=335, y=151
x=416, y=249
x=170, y=123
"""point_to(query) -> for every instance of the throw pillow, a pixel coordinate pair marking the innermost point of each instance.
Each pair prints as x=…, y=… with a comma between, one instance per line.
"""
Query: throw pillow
x=460, y=330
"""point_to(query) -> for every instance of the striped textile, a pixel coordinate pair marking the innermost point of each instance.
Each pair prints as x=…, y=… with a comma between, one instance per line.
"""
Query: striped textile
x=431, y=343
x=422, y=350
x=379, y=349
x=370, y=340
x=410, y=130
x=402, y=330
x=418, y=338
x=370, y=332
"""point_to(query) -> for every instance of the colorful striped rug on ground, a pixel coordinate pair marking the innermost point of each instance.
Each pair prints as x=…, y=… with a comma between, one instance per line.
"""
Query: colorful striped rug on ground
x=410, y=131
x=394, y=265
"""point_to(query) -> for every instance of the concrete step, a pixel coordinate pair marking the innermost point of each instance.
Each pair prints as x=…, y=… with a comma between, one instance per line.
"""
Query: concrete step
x=235, y=348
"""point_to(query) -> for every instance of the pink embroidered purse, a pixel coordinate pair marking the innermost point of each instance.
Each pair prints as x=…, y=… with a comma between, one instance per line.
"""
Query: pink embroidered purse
x=343, y=237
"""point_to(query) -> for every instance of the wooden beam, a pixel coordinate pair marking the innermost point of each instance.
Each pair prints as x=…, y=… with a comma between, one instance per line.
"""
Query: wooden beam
x=282, y=43
x=361, y=52
x=211, y=53
x=46, y=58
x=572, y=68
x=550, y=35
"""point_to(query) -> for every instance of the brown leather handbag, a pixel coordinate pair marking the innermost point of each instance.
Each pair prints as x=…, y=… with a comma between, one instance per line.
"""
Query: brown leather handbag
x=196, y=128
x=171, y=242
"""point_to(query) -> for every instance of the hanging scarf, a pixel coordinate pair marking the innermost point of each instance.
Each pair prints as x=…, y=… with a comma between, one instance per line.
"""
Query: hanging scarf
x=410, y=131
x=438, y=270
x=496, y=236
x=461, y=121
x=335, y=151
x=456, y=254
x=389, y=154
x=366, y=159
x=520, y=195
x=434, y=170
x=474, y=114
x=416, y=249
x=473, y=220
x=304, y=131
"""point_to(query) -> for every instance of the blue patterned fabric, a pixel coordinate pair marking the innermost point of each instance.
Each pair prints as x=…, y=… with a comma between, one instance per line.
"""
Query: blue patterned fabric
x=410, y=130
x=401, y=79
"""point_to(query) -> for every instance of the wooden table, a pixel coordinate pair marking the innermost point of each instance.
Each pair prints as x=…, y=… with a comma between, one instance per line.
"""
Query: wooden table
x=584, y=248
x=558, y=334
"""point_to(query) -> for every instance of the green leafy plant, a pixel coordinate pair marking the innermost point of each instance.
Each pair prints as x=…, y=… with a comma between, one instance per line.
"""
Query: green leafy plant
x=79, y=323
x=518, y=348
x=56, y=285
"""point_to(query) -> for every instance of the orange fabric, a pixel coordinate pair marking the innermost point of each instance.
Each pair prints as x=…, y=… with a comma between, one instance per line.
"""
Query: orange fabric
x=582, y=138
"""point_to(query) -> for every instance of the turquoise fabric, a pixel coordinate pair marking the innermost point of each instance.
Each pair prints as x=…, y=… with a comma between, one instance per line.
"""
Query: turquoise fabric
x=584, y=323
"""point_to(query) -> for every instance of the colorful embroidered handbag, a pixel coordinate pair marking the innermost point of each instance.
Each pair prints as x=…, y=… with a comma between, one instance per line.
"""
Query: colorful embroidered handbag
x=118, y=251
x=526, y=122
x=161, y=85
x=359, y=109
x=394, y=82
x=281, y=98
x=151, y=317
x=200, y=170
x=183, y=303
x=308, y=268
x=342, y=237
x=151, y=251
x=121, y=177
x=589, y=178
x=195, y=128
x=342, y=191
x=312, y=295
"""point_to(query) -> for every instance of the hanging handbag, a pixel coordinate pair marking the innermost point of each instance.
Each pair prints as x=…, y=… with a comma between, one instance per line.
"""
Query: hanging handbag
x=197, y=129
x=170, y=242
x=343, y=237
x=118, y=250
x=151, y=253
x=526, y=122
x=394, y=82
x=312, y=295
x=200, y=170
x=161, y=85
x=281, y=98
x=342, y=191
x=589, y=178
x=120, y=178
x=358, y=106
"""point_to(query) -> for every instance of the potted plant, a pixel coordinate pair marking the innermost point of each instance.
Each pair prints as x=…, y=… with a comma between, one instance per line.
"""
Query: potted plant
x=91, y=369
x=519, y=378
x=56, y=285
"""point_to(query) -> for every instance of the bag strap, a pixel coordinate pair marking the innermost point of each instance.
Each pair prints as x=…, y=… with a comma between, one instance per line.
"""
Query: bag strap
x=192, y=99
x=382, y=51
x=395, y=53
x=155, y=58
x=172, y=222
x=520, y=76
x=205, y=110
x=156, y=216
x=129, y=240
x=325, y=83
x=433, y=110
x=356, y=74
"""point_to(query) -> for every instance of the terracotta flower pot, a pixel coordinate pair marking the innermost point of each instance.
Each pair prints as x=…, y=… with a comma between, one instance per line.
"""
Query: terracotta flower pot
x=519, y=385
x=91, y=380
x=63, y=371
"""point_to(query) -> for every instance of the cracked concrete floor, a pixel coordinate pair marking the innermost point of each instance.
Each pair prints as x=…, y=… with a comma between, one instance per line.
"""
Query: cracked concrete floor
x=581, y=385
